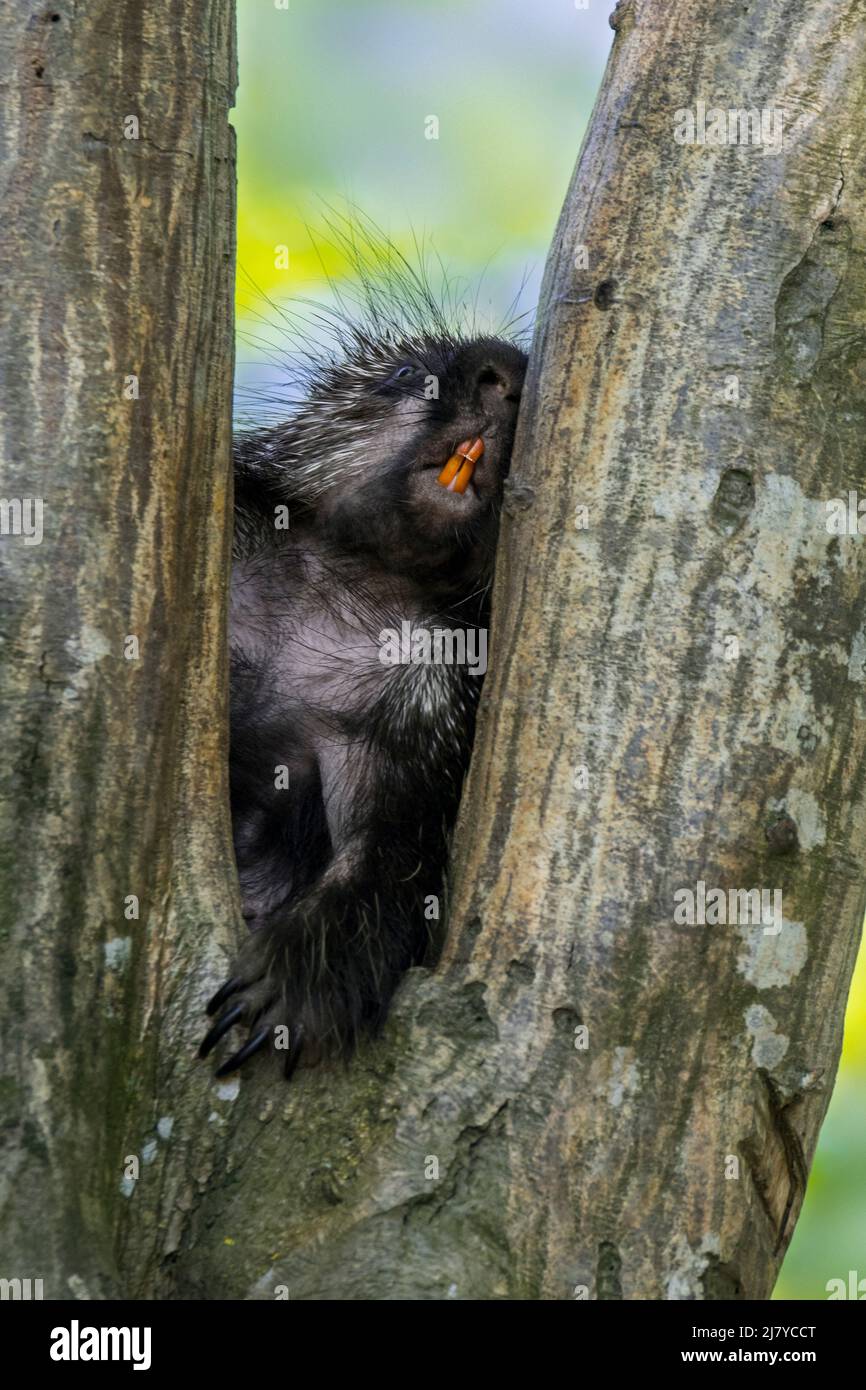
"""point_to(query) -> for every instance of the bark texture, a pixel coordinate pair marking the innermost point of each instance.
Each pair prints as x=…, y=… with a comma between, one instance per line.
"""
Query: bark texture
x=116, y=260
x=630, y=747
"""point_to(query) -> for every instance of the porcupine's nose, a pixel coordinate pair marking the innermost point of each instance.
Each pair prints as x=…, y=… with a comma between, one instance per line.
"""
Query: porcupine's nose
x=499, y=384
x=493, y=372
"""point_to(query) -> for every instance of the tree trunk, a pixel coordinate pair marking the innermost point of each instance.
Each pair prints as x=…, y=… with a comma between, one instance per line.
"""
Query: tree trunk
x=481, y=1150
x=584, y=1096
x=116, y=259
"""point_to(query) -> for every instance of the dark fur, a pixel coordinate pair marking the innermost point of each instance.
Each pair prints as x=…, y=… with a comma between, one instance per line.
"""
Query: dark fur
x=335, y=871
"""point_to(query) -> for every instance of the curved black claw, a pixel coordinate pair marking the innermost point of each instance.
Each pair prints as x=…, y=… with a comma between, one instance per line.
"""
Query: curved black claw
x=223, y=993
x=293, y=1054
x=221, y=1027
x=256, y=1042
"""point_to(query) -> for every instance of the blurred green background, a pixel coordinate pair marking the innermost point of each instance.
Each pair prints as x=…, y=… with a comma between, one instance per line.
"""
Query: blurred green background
x=333, y=103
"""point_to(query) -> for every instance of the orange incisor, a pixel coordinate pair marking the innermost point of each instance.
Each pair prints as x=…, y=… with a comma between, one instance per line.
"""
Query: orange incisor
x=461, y=465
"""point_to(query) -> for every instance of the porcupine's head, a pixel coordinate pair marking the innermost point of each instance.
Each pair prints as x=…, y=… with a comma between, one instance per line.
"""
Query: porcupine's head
x=402, y=440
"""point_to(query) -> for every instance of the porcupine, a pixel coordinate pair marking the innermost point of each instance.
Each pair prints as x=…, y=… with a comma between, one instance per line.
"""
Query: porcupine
x=391, y=473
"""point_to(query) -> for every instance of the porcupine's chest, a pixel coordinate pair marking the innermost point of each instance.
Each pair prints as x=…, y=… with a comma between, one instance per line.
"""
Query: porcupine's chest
x=327, y=666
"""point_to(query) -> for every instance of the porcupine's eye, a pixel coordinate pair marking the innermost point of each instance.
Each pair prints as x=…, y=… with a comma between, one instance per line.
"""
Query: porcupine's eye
x=398, y=380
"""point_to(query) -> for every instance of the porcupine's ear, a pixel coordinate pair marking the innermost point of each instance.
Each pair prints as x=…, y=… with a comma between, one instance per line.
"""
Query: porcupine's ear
x=262, y=471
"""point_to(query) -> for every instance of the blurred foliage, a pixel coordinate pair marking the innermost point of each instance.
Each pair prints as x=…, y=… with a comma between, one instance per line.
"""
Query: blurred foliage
x=333, y=104
x=333, y=108
x=830, y=1238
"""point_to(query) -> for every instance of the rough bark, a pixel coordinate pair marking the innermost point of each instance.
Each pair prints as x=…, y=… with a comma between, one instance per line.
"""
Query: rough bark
x=116, y=260
x=611, y=1169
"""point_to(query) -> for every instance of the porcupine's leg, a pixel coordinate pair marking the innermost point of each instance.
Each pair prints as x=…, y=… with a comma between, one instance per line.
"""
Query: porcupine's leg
x=321, y=971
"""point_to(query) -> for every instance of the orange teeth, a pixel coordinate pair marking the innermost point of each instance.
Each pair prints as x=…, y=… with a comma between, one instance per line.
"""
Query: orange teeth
x=458, y=470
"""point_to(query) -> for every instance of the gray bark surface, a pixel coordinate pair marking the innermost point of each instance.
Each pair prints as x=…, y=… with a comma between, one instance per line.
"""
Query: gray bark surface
x=117, y=261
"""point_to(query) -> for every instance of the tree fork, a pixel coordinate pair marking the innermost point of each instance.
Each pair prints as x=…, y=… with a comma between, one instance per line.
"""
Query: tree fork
x=476, y=1151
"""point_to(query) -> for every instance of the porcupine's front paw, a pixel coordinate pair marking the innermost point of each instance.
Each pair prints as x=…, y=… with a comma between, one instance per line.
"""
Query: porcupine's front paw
x=253, y=997
x=317, y=976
